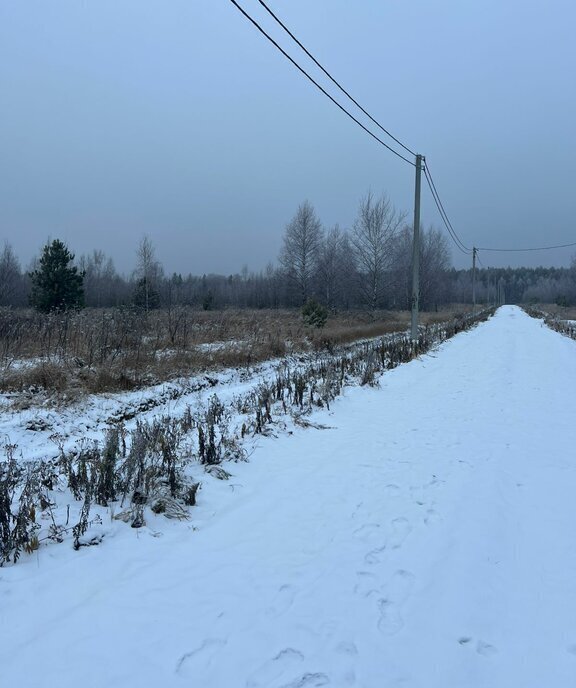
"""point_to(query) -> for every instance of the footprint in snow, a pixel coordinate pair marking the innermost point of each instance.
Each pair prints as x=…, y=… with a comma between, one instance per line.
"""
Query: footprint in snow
x=342, y=668
x=401, y=528
x=198, y=662
x=367, y=584
x=375, y=556
x=431, y=517
x=482, y=648
x=367, y=531
x=418, y=494
x=283, y=601
x=485, y=649
x=395, y=594
x=285, y=661
x=308, y=681
x=347, y=648
x=390, y=621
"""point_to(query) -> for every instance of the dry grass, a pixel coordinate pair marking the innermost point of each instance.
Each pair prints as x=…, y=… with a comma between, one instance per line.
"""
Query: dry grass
x=558, y=318
x=113, y=350
x=560, y=312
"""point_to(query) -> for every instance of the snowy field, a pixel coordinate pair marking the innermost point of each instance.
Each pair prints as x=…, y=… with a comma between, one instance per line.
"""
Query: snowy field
x=424, y=539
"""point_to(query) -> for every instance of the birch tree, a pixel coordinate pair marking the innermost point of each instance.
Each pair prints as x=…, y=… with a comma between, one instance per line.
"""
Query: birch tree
x=148, y=275
x=335, y=267
x=373, y=236
x=299, y=255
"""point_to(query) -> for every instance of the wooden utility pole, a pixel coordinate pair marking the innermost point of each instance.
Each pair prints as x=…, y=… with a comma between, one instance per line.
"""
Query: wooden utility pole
x=474, y=249
x=416, y=250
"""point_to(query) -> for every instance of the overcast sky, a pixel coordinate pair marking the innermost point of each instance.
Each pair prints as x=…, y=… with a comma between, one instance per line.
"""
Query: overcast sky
x=176, y=119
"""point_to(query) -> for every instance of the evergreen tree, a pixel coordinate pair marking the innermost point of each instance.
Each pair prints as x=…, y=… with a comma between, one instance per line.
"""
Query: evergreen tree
x=56, y=284
x=145, y=296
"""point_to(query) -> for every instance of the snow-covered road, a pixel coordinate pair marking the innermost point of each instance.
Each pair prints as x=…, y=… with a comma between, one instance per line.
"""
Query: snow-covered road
x=427, y=539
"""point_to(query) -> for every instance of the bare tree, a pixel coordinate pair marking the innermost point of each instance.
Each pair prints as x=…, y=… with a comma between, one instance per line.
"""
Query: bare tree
x=373, y=236
x=273, y=279
x=148, y=274
x=100, y=279
x=401, y=270
x=435, y=261
x=434, y=265
x=335, y=266
x=10, y=276
x=299, y=255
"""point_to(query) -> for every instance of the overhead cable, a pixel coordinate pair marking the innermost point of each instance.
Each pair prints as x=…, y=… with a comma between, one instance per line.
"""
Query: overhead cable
x=332, y=79
x=532, y=248
x=444, y=218
x=443, y=213
x=318, y=86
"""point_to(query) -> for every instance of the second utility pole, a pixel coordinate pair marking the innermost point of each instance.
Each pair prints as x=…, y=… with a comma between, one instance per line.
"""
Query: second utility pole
x=474, y=249
x=416, y=251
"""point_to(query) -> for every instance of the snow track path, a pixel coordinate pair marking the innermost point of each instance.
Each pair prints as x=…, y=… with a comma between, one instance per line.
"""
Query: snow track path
x=426, y=540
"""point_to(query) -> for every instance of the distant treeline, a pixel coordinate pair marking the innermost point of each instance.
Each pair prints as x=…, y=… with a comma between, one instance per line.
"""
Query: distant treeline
x=367, y=267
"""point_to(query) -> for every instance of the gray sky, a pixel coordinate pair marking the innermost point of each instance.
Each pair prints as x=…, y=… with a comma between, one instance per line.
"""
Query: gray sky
x=176, y=119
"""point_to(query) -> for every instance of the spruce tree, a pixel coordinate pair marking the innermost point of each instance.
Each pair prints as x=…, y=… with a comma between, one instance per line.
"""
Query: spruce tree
x=145, y=296
x=56, y=284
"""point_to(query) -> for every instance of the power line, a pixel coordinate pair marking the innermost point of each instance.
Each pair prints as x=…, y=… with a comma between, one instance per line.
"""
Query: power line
x=443, y=214
x=532, y=248
x=459, y=245
x=318, y=86
x=445, y=220
x=434, y=191
x=454, y=235
x=327, y=73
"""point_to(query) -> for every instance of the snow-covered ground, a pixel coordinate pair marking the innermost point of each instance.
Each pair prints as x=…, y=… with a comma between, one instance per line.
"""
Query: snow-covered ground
x=41, y=426
x=424, y=539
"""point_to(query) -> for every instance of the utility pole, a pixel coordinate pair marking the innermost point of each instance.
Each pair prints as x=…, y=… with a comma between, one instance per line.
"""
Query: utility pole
x=501, y=292
x=416, y=250
x=474, y=249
